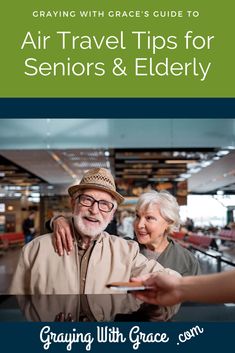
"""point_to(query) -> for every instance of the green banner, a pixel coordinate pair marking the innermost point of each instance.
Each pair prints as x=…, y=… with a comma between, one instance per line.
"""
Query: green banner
x=117, y=48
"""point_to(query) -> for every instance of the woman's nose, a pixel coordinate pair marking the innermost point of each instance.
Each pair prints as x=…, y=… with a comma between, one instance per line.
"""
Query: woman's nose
x=140, y=223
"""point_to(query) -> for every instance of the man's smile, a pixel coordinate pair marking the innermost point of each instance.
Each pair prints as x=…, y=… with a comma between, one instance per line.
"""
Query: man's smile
x=91, y=219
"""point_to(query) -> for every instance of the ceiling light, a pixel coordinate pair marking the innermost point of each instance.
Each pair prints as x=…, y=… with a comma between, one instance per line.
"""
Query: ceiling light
x=35, y=194
x=195, y=170
x=35, y=187
x=185, y=175
x=222, y=153
x=17, y=194
x=206, y=163
x=230, y=147
x=180, y=161
x=135, y=177
x=63, y=165
x=14, y=187
x=70, y=155
x=159, y=179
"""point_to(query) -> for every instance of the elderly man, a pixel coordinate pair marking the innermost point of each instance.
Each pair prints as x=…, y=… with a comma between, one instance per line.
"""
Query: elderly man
x=97, y=259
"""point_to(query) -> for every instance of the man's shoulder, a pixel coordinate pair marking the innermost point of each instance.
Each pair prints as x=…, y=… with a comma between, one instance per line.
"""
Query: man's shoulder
x=41, y=240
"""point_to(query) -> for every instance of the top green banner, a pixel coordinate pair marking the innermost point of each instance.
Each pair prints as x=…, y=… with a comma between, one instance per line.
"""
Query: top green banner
x=93, y=48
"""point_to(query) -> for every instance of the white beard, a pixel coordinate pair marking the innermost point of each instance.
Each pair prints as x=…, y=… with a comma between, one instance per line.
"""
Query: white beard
x=87, y=230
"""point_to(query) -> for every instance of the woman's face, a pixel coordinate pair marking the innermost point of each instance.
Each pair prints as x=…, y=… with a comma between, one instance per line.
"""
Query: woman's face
x=149, y=225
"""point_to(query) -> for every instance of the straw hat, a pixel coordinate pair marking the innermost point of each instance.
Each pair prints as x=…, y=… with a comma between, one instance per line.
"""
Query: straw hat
x=97, y=178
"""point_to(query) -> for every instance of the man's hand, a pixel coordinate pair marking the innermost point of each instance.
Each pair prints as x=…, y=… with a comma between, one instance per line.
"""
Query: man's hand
x=61, y=317
x=62, y=236
x=165, y=289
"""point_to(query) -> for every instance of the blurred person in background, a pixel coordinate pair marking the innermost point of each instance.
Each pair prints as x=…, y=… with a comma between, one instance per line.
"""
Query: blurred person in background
x=125, y=227
x=28, y=227
x=189, y=224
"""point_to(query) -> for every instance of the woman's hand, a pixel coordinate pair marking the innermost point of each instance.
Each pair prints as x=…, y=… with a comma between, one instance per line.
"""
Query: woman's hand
x=164, y=289
x=62, y=235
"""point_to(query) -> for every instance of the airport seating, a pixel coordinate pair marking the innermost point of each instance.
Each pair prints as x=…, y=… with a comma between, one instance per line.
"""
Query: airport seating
x=178, y=235
x=227, y=234
x=203, y=241
x=203, y=244
x=193, y=239
x=179, y=238
x=12, y=239
x=3, y=246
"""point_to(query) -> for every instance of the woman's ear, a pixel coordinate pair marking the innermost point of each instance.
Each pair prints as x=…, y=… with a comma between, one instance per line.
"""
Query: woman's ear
x=168, y=226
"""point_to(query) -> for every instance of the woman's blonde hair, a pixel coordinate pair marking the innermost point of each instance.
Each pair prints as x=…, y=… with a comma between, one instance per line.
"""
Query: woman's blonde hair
x=167, y=205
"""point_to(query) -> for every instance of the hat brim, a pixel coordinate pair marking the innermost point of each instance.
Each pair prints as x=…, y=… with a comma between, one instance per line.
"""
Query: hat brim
x=73, y=189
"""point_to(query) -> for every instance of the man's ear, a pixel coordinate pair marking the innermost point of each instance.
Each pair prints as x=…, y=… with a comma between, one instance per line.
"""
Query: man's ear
x=113, y=215
x=111, y=218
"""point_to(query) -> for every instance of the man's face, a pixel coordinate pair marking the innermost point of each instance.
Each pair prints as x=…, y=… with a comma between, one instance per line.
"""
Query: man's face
x=91, y=221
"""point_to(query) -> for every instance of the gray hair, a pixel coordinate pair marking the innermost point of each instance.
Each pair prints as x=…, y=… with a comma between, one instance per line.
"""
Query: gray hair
x=167, y=204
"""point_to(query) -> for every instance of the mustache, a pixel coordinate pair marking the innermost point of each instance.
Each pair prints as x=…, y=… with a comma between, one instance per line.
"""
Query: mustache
x=96, y=218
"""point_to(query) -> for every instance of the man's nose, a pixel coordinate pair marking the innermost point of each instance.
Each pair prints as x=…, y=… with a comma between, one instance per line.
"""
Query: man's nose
x=94, y=208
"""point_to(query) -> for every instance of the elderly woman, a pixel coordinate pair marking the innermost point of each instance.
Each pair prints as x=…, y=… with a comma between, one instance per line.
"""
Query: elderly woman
x=157, y=216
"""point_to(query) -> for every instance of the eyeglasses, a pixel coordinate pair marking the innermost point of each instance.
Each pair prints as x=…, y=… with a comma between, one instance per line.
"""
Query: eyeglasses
x=88, y=201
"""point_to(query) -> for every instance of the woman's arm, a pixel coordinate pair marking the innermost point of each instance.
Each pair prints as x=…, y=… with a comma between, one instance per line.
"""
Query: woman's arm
x=169, y=290
x=62, y=235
